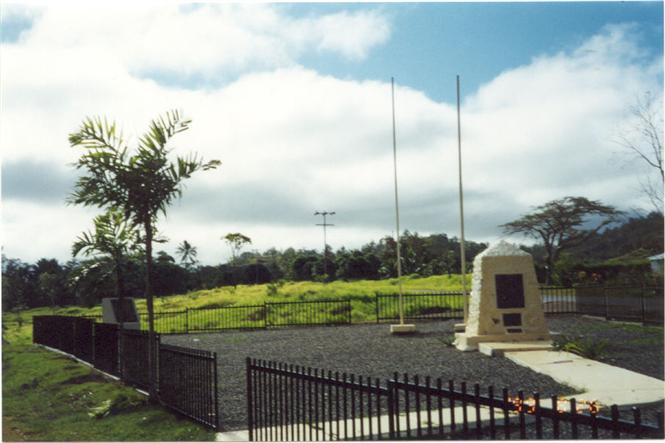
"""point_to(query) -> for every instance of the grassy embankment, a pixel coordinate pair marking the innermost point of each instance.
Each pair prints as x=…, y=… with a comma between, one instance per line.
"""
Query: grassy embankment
x=361, y=294
x=47, y=396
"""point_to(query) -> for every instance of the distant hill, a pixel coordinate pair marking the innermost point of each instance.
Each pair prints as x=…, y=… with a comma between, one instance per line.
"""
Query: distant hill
x=634, y=240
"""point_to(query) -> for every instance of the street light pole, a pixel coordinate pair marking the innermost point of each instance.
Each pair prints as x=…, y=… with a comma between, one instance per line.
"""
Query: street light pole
x=325, y=242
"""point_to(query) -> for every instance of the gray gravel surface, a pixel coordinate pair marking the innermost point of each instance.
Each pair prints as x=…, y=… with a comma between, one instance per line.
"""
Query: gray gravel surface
x=366, y=350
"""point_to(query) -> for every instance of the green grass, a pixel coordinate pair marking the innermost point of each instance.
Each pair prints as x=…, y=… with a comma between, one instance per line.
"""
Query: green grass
x=361, y=293
x=49, y=397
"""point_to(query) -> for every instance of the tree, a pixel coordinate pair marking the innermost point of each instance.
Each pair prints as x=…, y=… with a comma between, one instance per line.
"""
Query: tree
x=187, y=254
x=559, y=224
x=141, y=183
x=113, y=239
x=236, y=241
x=644, y=142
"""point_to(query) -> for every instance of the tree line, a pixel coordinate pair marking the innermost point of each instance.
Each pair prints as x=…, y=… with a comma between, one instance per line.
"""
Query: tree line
x=85, y=281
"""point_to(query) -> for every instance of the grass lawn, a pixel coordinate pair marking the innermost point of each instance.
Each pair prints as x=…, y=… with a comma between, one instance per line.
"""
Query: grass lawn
x=49, y=397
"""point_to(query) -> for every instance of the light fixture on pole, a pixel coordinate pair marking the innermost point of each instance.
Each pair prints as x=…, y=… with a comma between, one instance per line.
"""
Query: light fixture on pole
x=325, y=243
x=401, y=328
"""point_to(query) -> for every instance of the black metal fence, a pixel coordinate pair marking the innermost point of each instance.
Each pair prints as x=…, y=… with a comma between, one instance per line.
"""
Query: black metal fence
x=188, y=383
x=430, y=305
x=319, y=312
x=186, y=379
x=643, y=304
x=135, y=364
x=106, y=348
x=292, y=403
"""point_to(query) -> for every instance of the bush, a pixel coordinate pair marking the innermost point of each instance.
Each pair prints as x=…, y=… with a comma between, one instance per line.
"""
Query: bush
x=584, y=347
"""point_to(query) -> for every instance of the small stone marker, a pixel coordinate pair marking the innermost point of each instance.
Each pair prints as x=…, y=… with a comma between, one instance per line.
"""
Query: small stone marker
x=402, y=329
x=504, y=304
x=115, y=312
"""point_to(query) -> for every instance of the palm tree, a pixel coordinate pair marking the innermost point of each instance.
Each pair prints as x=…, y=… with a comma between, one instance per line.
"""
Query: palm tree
x=141, y=183
x=112, y=240
x=187, y=254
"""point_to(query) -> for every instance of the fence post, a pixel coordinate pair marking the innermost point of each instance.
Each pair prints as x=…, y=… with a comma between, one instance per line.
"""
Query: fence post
x=250, y=399
x=349, y=311
x=265, y=315
x=391, y=410
x=186, y=320
x=376, y=305
x=642, y=307
x=607, y=307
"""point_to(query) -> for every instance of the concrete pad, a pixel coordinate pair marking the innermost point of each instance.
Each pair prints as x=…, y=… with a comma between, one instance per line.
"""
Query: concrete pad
x=604, y=383
x=459, y=327
x=403, y=329
x=497, y=349
x=232, y=436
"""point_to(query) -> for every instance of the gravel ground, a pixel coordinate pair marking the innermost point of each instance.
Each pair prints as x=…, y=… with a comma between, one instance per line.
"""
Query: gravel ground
x=367, y=350
x=370, y=350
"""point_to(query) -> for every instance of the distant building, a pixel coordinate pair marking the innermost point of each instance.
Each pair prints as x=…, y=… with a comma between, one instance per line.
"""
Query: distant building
x=657, y=263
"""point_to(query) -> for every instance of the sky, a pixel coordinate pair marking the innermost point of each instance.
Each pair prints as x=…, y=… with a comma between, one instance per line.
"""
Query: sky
x=295, y=100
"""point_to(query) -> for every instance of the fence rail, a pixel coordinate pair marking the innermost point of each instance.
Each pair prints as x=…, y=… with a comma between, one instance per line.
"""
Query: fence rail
x=134, y=365
x=644, y=304
x=188, y=383
x=293, y=403
x=432, y=305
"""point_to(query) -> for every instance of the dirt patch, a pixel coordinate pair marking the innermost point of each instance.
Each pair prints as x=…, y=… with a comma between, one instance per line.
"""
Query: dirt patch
x=10, y=431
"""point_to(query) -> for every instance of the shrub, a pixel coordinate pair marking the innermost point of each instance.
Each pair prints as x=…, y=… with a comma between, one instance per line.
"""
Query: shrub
x=584, y=347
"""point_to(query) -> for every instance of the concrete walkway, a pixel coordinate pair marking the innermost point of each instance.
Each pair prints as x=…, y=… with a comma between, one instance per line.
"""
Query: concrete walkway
x=601, y=382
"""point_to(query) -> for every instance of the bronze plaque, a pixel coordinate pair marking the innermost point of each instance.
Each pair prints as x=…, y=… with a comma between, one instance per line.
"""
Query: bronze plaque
x=509, y=291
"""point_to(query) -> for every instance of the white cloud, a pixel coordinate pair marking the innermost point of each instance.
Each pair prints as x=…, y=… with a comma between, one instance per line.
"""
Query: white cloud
x=208, y=40
x=293, y=140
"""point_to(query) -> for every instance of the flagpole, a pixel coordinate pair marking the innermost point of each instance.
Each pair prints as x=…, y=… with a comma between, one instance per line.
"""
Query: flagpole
x=399, y=261
x=461, y=206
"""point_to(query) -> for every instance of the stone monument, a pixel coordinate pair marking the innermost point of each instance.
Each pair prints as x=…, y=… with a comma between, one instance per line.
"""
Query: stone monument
x=114, y=311
x=504, y=304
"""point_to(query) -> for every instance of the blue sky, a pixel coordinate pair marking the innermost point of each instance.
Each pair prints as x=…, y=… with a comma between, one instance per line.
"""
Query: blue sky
x=295, y=101
x=435, y=41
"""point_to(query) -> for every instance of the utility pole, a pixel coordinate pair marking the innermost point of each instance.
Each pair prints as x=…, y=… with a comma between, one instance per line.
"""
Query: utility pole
x=325, y=242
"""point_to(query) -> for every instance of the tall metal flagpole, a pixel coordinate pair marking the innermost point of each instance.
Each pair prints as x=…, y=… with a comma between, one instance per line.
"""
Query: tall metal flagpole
x=399, y=261
x=461, y=206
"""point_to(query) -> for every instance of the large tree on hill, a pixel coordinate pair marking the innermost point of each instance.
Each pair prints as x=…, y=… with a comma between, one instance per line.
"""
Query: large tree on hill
x=562, y=224
x=141, y=182
x=236, y=241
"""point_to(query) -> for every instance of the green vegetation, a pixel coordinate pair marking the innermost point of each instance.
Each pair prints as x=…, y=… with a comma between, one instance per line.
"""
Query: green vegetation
x=585, y=347
x=360, y=293
x=49, y=397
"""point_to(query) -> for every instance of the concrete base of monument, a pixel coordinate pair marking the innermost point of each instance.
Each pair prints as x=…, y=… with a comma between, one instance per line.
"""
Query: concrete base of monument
x=498, y=349
x=467, y=343
x=459, y=327
x=402, y=329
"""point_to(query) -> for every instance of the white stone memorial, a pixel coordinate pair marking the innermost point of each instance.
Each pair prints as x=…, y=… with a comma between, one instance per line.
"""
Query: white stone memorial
x=504, y=304
x=115, y=312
